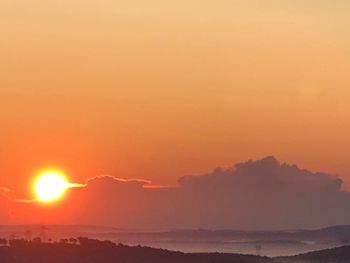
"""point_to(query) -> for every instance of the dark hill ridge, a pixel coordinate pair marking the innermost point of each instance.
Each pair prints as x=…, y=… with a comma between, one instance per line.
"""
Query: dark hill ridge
x=84, y=250
x=273, y=243
x=334, y=255
x=94, y=251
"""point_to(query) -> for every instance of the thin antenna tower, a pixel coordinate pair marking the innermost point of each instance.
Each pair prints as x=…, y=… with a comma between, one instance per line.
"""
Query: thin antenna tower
x=258, y=249
x=43, y=233
x=28, y=234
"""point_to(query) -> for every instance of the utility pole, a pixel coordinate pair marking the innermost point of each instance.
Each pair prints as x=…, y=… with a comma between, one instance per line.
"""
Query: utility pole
x=43, y=233
x=258, y=249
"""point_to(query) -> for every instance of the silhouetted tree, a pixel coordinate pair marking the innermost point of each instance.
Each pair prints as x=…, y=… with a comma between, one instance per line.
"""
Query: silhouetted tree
x=36, y=240
x=18, y=243
x=63, y=241
x=73, y=240
x=3, y=241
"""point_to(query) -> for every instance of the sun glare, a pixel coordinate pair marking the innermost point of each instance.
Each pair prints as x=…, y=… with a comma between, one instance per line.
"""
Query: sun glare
x=50, y=186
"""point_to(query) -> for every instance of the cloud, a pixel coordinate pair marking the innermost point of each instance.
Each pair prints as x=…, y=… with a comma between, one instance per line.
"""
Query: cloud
x=265, y=194
x=261, y=194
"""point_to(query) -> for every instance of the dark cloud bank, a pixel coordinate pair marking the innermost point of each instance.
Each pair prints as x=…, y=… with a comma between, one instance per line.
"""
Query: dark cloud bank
x=262, y=194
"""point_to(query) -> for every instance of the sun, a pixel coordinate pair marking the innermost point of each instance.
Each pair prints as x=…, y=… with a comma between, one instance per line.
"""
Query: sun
x=50, y=185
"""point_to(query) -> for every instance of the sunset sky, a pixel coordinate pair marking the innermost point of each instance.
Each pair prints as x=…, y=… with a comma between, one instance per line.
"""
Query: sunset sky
x=157, y=89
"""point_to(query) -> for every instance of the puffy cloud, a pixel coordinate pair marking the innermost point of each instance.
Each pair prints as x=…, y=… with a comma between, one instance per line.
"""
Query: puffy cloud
x=262, y=194
x=267, y=194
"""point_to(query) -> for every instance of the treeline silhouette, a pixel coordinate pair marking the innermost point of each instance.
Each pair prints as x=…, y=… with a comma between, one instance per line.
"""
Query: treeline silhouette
x=85, y=250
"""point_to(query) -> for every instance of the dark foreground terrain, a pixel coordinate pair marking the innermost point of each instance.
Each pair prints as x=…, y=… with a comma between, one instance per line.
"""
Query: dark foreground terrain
x=334, y=255
x=271, y=243
x=84, y=250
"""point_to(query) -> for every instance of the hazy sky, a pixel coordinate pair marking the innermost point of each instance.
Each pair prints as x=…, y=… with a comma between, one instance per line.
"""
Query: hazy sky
x=159, y=89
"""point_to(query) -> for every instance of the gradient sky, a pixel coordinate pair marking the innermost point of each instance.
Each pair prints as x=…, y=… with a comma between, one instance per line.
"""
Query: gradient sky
x=159, y=89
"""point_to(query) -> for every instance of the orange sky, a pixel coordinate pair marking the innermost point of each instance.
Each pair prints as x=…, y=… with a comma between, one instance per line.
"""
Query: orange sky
x=158, y=89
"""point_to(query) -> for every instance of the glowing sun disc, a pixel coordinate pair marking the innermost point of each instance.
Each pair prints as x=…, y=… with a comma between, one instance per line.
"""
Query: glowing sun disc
x=50, y=186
